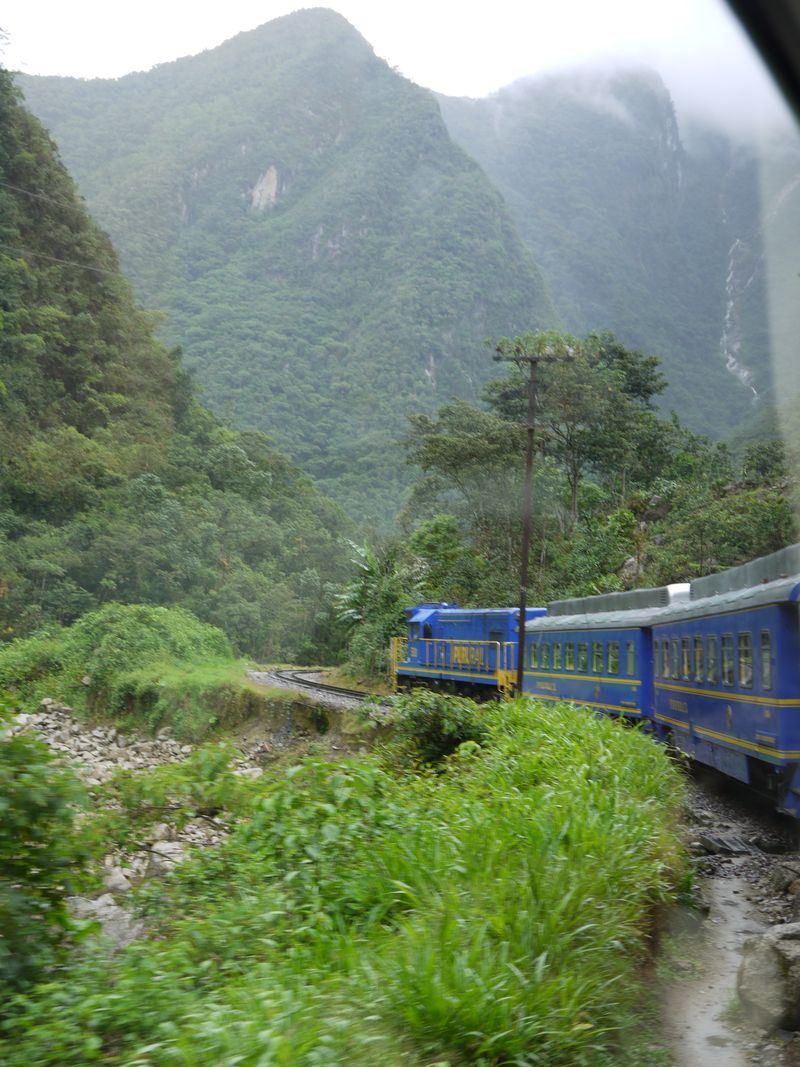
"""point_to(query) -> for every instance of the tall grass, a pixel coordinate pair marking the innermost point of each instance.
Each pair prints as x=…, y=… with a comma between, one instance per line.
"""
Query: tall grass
x=493, y=910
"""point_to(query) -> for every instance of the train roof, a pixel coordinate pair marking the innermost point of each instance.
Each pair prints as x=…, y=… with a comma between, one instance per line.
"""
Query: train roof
x=778, y=566
x=423, y=612
x=773, y=579
x=782, y=591
x=631, y=600
x=601, y=620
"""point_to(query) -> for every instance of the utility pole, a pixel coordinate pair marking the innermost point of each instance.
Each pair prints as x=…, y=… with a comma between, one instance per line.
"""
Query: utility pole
x=533, y=349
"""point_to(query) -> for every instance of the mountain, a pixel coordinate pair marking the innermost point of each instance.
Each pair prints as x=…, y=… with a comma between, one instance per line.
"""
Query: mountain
x=325, y=254
x=115, y=484
x=331, y=244
x=652, y=229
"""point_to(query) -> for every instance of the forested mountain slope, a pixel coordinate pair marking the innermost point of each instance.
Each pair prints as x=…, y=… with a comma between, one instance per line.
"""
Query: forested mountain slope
x=650, y=229
x=326, y=255
x=114, y=483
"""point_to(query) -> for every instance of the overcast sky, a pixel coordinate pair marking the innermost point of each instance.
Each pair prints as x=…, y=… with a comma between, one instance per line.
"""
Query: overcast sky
x=447, y=45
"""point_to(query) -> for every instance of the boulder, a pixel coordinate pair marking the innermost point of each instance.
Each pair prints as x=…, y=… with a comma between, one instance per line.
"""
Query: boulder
x=116, y=882
x=117, y=924
x=768, y=981
x=164, y=855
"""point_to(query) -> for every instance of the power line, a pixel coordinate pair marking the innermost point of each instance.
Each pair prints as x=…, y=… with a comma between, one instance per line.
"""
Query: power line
x=41, y=196
x=55, y=259
x=83, y=203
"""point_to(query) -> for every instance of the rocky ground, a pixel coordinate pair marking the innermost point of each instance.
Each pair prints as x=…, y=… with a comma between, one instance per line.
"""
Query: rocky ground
x=738, y=1000
x=98, y=751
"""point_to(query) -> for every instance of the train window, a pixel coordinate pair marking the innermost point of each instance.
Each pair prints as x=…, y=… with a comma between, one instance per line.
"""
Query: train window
x=597, y=657
x=665, y=658
x=613, y=657
x=727, y=659
x=712, y=667
x=583, y=656
x=699, y=659
x=545, y=658
x=533, y=655
x=557, y=656
x=496, y=636
x=745, y=641
x=414, y=630
x=676, y=662
x=569, y=656
x=630, y=658
x=766, y=660
x=686, y=659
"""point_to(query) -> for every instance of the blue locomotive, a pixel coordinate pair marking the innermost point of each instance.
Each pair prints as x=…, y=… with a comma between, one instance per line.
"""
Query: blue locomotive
x=712, y=667
x=466, y=650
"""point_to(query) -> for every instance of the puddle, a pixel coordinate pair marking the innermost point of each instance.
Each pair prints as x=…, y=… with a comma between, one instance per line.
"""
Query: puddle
x=694, y=1024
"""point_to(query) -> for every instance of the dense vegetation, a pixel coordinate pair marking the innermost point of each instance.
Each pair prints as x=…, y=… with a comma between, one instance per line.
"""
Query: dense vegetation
x=114, y=483
x=622, y=496
x=326, y=256
x=153, y=666
x=331, y=261
x=359, y=912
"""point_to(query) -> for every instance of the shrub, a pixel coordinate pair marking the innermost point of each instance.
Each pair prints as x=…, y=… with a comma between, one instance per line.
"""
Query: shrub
x=39, y=852
x=434, y=725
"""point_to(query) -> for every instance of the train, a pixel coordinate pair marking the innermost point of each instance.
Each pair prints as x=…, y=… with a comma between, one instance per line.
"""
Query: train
x=711, y=667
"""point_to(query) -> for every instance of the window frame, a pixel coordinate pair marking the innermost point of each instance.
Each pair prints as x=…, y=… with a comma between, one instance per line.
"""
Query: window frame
x=744, y=659
x=630, y=658
x=712, y=659
x=765, y=676
x=583, y=657
x=728, y=660
x=699, y=658
x=612, y=657
x=598, y=658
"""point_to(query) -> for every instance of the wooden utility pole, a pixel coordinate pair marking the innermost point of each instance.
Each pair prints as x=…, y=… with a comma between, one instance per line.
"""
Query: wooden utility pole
x=533, y=349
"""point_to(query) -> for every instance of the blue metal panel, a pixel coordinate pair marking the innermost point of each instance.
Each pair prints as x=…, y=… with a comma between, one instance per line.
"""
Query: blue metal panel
x=619, y=692
x=749, y=719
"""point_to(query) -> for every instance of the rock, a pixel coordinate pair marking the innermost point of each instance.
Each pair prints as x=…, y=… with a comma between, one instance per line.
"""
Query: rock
x=630, y=570
x=165, y=855
x=116, y=882
x=783, y=874
x=117, y=924
x=86, y=680
x=160, y=832
x=768, y=981
x=46, y=702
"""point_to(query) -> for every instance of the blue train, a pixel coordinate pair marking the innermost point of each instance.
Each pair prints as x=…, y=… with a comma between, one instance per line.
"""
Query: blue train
x=712, y=667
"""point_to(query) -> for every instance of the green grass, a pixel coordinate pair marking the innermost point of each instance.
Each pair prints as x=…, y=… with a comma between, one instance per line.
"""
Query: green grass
x=491, y=909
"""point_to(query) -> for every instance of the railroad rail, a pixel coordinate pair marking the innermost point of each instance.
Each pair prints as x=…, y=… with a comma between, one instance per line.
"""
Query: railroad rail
x=302, y=679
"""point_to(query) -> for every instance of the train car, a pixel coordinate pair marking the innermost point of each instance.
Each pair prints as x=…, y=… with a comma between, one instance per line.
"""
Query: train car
x=465, y=650
x=596, y=651
x=712, y=668
x=726, y=675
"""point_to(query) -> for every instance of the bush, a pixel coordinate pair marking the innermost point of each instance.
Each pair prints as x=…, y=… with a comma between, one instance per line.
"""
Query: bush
x=39, y=853
x=434, y=725
x=103, y=646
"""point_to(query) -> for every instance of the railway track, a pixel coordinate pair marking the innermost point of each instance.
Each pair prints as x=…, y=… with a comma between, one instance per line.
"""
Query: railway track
x=304, y=679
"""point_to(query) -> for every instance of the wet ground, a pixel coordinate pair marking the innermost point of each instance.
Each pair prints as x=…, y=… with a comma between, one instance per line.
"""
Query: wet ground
x=740, y=852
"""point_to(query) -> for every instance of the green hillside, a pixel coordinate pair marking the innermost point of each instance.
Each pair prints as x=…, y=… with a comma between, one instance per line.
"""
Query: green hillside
x=650, y=230
x=326, y=255
x=114, y=483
